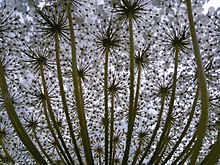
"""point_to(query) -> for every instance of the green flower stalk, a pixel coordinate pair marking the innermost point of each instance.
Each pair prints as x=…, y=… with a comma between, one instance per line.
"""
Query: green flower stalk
x=202, y=85
x=185, y=128
x=65, y=154
x=113, y=90
x=111, y=82
x=78, y=93
x=107, y=40
x=15, y=120
x=57, y=28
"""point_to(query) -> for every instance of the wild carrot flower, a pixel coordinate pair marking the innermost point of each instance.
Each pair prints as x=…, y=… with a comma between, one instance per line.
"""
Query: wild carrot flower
x=52, y=20
x=130, y=8
x=8, y=23
x=38, y=55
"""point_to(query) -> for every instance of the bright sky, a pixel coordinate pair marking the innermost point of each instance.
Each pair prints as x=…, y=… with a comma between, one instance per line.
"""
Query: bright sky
x=211, y=3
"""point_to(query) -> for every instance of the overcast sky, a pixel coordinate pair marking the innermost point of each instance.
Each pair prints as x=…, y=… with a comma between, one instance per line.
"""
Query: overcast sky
x=213, y=3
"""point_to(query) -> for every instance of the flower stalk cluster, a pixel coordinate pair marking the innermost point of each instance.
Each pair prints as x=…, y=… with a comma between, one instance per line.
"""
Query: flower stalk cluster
x=121, y=82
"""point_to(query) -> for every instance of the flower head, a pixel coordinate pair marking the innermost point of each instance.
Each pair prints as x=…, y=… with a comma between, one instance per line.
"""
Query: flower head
x=142, y=58
x=107, y=37
x=8, y=23
x=52, y=21
x=130, y=8
x=114, y=87
x=177, y=38
x=39, y=55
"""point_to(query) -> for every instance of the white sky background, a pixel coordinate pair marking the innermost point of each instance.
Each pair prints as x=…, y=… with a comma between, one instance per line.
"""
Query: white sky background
x=211, y=3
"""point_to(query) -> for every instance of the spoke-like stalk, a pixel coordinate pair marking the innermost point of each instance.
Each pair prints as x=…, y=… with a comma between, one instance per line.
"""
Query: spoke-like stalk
x=185, y=129
x=106, y=120
x=62, y=93
x=78, y=93
x=53, y=118
x=135, y=109
x=111, y=129
x=22, y=134
x=202, y=84
x=41, y=147
x=137, y=152
x=147, y=148
x=59, y=149
x=6, y=153
x=187, y=149
x=131, y=99
x=137, y=92
x=100, y=158
x=166, y=128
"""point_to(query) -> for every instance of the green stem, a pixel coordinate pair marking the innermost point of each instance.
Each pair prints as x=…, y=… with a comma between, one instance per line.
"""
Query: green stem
x=79, y=101
x=62, y=93
x=137, y=92
x=185, y=151
x=167, y=124
x=2, y=158
x=155, y=131
x=135, y=109
x=131, y=99
x=185, y=129
x=52, y=117
x=137, y=153
x=7, y=154
x=22, y=134
x=106, y=120
x=100, y=159
x=163, y=149
x=53, y=134
x=202, y=83
x=41, y=147
x=111, y=128
x=114, y=150
x=214, y=154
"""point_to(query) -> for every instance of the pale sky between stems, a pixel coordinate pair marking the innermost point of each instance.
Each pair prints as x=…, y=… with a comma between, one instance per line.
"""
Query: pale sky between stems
x=211, y=3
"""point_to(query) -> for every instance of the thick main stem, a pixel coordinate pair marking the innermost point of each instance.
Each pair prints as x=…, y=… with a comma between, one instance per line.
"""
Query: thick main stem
x=131, y=99
x=203, y=88
x=22, y=134
x=79, y=101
